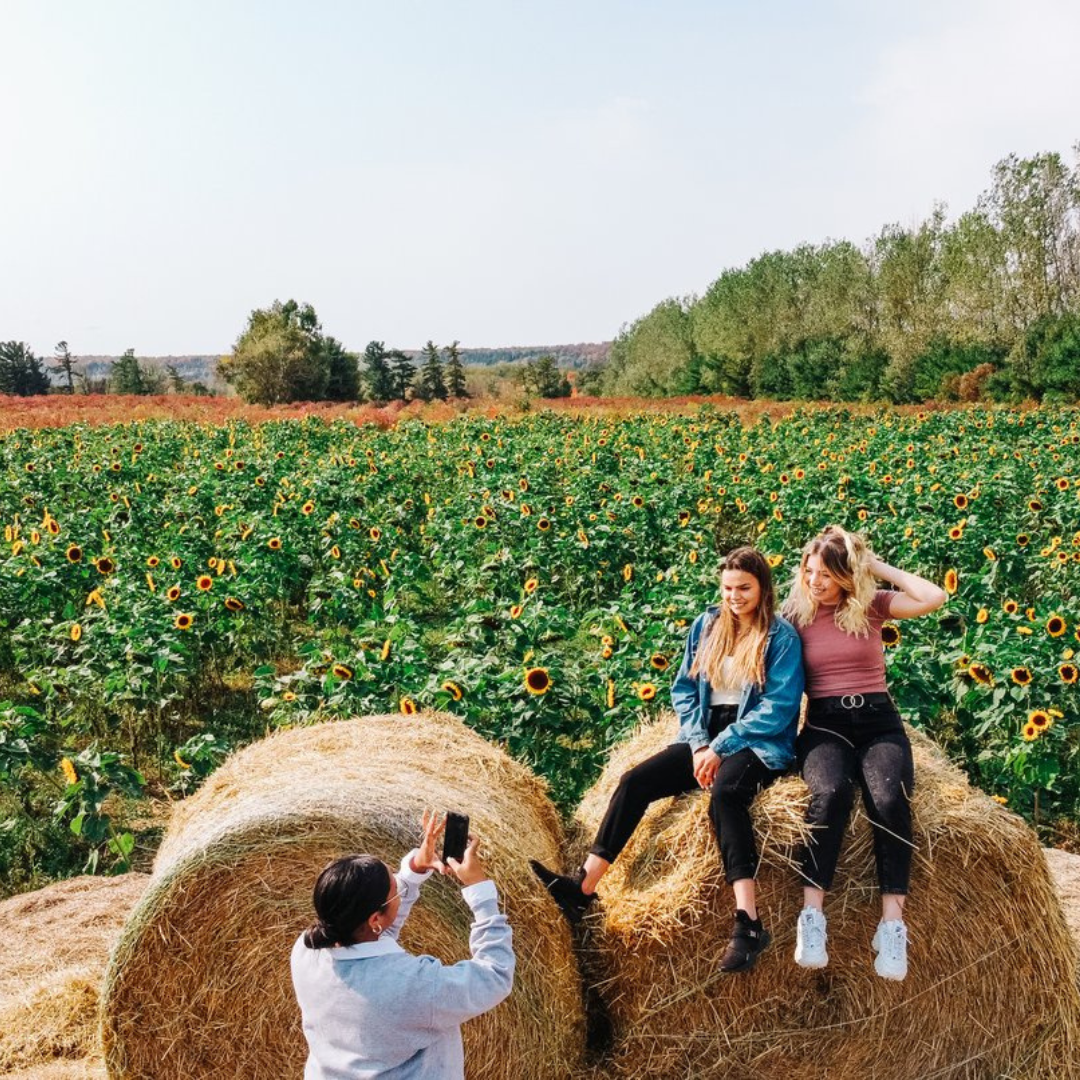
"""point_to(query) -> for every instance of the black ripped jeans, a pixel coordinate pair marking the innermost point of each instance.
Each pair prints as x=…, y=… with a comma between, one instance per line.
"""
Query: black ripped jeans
x=840, y=746
x=671, y=772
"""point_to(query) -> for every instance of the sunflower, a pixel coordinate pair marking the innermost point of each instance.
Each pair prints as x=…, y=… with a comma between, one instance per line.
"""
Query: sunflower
x=981, y=673
x=53, y=526
x=607, y=652
x=274, y=543
x=342, y=672
x=1010, y=607
x=890, y=635
x=1000, y=800
x=775, y=560
x=951, y=581
x=173, y=593
x=516, y=610
x=153, y=562
x=1062, y=484
x=308, y=507
x=531, y=585
x=232, y=604
x=204, y=583
x=659, y=661
x=684, y=518
x=1039, y=719
x=105, y=565
x=638, y=501
x=1021, y=676
x=407, y=706
x=523, y=483
x=1022, y=539
x=1055, y=626
x=990, y=553
x=537, y=680
x=693, y=556
x=74, y=554
x=288, y=696
x=982, y=615
x=526, y=510
x=1069, y=673
x=375, y=533
x=543, y=524
x=68, y=769
x=960, y=501
x=335, y=552
x=956, y=533
x=76, y=633
x=647, y=691
x=611, y=693
x=1030, y=732
x=1034, y=504
x=183, y=621
x=384, y=652
x=480, y=521
x=628, y=571
x=453, y=690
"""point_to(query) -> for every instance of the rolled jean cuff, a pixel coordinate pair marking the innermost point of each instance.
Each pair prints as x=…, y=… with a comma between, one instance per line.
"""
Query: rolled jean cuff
x=894, y=890
x=740, y=873
x=602, y=853
x=812, y=883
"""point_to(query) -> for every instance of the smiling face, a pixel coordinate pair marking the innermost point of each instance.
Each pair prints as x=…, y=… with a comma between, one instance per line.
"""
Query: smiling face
x=820, y=583
x=741, y=592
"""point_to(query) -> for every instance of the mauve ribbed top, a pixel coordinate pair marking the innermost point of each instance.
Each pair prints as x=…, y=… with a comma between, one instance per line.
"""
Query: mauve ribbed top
x=837, y=663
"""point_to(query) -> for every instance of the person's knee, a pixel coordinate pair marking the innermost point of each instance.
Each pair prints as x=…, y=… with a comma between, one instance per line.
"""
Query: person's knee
x=831, y=800
x=891, y=806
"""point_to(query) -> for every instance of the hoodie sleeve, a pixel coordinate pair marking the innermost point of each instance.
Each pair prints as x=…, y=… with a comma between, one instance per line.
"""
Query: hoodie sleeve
x=685, y=697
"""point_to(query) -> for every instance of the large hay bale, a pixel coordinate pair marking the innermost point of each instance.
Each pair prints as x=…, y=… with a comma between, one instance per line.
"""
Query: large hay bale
x=991, y=988
x=199, y=984
x=56, y=944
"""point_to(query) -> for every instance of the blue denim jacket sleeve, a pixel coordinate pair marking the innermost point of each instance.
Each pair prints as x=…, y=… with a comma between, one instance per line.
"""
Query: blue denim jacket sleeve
x=686, y=692
x=776, y=710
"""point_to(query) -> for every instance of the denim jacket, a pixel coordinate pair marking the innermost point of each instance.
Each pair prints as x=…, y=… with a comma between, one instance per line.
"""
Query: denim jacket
x=767, y=719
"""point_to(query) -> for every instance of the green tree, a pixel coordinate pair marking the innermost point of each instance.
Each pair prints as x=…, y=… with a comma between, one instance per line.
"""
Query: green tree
x=377, y=374
x=650, y=356
x=432, y=385
x=343, y=371
x=543, y=378
x=175, y=379
x=21, y=372
x=455, y=371
x=65, y=365
x=402, y=373
x=281, y=356
x=128, y=376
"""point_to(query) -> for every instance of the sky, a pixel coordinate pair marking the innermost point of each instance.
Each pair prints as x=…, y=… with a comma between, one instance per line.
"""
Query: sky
x=492, y=171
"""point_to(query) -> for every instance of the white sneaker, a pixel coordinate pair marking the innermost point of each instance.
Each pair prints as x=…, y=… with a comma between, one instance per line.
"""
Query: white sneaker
x=890, y=944
x=810, y=939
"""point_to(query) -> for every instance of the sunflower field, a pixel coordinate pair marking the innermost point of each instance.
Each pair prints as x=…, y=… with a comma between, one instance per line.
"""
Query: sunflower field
x=170, y=589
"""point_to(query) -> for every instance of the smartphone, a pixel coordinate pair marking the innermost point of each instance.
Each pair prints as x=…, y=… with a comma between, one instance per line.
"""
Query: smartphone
x=456, y=836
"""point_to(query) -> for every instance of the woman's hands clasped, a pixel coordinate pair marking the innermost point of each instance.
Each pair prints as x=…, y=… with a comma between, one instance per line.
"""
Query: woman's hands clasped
x=706, y=762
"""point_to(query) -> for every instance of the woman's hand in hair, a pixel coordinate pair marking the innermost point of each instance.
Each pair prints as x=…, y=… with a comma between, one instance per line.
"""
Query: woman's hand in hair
x=431, y=828
x=470, y=869
x=706, y=762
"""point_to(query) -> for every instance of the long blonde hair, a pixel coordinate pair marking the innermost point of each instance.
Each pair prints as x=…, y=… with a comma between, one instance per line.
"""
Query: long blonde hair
x=846, y=555
x=723, y=637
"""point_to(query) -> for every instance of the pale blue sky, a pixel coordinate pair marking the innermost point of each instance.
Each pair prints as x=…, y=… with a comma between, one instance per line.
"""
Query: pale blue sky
x=498, y=172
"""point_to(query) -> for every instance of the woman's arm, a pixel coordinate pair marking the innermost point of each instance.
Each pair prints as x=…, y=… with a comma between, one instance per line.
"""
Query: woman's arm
x=415, y=869
x=917, y=596
x=684, y=691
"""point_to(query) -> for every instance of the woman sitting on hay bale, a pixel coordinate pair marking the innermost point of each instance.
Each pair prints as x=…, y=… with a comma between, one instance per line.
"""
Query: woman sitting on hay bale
x=369, y=1007
x=853, y=730
x=737, y=698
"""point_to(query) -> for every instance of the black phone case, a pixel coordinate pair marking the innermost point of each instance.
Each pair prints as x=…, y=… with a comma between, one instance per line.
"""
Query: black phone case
x=456, y=836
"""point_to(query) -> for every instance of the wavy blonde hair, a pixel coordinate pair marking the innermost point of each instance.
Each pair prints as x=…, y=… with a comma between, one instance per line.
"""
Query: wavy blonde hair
x=723, y=637
x=846, y=555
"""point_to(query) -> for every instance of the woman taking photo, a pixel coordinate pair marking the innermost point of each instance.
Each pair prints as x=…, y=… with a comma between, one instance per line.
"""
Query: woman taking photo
x=737, y=698
x=853, y=731
x=370, y=1008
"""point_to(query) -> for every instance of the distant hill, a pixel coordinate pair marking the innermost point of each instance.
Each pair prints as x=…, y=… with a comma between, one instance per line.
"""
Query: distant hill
x=203, y=368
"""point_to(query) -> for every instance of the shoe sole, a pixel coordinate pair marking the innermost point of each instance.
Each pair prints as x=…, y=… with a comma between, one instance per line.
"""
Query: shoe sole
x=812, y=966
x=766, y=940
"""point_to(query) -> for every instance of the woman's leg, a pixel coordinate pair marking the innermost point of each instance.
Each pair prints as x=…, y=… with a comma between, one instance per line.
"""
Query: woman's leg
x=887, y=779
x=670, y=772
x=827, y=762
x=738, y=780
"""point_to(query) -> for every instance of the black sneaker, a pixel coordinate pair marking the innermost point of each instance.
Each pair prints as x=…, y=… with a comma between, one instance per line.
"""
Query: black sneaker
x=565, y=890
x=748, y=939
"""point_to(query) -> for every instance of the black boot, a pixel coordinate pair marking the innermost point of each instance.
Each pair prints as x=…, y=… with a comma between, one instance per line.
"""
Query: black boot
x=565, y=890
x=748, y=939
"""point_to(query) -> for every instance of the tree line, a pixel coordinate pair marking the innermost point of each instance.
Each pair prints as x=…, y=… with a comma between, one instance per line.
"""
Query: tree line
x=986, y=307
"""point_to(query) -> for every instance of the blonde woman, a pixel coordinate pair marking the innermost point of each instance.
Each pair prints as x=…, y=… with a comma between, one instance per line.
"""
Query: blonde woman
x=853, y=732
x=737, y=698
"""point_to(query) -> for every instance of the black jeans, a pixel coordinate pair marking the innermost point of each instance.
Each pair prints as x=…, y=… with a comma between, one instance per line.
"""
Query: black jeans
x=671, y=772
x=838, y=746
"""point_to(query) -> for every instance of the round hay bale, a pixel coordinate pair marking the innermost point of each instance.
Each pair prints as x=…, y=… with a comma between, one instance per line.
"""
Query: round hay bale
x=56, y=944
x=199, y=984
x=1065, y=869
x=991, y=988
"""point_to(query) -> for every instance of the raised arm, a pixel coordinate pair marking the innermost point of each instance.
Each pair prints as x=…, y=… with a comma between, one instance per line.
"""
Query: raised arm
x=416, y=868
x=917, y=596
